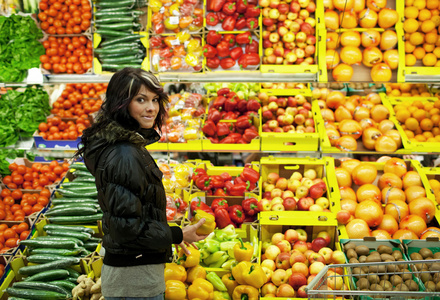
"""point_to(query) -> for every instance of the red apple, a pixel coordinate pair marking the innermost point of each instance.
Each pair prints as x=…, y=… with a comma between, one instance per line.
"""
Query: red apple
x=318, y=243
x=326, y=236
x=291, y=235
x=300, y=246
x=289, y=203
x=305, y=203
x=284, y=246
x=272, y=177
x=283, y=261
x=296, y=280
x=297, y=256
x=302, y=291
x=268, y=288
x=300, y=267
x=285, y=290
x=314, y=257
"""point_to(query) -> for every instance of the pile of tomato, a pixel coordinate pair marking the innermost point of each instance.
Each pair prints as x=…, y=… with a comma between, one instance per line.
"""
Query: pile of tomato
x=36, y=177
x=57, y=129
x=67, y=54
x=10, y=236
x=79, y=100
x=16, y=205
x=65, y=17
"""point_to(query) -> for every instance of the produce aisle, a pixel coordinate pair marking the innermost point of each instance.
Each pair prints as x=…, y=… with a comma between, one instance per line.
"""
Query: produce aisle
x=322, y=118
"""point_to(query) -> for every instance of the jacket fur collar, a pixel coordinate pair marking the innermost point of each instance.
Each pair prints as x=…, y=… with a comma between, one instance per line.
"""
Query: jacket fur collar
x=116, y=133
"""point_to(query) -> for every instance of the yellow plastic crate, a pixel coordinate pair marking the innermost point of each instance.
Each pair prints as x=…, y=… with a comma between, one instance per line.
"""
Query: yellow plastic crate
x=291, y=92
x=193, y=145
x=410, y=146
x=158, y=147
x=291, y=142
x=324, y=168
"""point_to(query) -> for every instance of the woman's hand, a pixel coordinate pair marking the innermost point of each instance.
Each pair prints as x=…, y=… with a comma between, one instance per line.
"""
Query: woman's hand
x=190, y=236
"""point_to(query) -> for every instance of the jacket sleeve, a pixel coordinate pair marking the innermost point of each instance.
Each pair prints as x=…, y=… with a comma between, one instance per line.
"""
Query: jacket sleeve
x=125, y=179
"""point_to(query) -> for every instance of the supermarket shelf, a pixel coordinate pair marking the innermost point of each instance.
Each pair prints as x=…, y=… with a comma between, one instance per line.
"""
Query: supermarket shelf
x=415, y=78
x=24, y=144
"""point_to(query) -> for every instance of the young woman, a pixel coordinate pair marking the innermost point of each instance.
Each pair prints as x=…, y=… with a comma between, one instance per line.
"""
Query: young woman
x=137, y=238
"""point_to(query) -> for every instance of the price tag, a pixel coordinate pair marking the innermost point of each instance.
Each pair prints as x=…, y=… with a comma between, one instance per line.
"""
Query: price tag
x=162, y=9
x=176, y=119
x=175, y=42
x=186, y=44
x=174, y=20
x=34, y=76
x=155, y=60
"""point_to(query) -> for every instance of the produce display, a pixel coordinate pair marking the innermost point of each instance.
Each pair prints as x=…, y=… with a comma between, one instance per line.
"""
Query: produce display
x=12, y=234
x=428, y=279
x=230, y=16
x=175, y=17
x=18, y=205
x=57, y=129
x=407, y=90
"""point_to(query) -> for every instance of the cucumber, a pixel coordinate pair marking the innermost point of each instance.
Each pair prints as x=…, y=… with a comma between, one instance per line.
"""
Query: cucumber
x=72, y=272
x=60, y=263
x=118, y=50
x=35, y=294
x=91, y=245
x=138, y=53
x=63, y=201
x=71, y=228
x=56, y=252
x=76, y=184
x=83, y=236
x=76, y=219
x=115, y=19
x=95, y=239
x=127, y=38
x=78, y=166
x=88, y=179
x=112, y=4
x=60, y=239
x=40, y=285
x=72, y=211
x=118, y=26
x=45, y=258
x=49, y=275
x=67, y=205
x=78, y=187
x=122, y=59
x=40, y=243
x=119, y=66
x=111, y=33
x=75, y=194
x=64, y=283
x=79, y=173
x=16, y=298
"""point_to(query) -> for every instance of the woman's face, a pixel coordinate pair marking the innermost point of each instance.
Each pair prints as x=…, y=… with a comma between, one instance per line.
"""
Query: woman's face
x=144, y=107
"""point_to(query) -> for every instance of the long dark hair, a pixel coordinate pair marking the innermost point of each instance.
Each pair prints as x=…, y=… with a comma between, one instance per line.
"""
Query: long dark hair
x=122, y=88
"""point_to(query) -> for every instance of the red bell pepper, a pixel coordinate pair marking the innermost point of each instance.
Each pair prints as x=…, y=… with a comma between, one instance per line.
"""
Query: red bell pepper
x=227, y=63
x=243, y=38
x=222, y=218
x=236, y=53
x=220, y=192
x=212, y=19
x=155, y=42
x=223, y=92
x=209, y=51
x=242, y=6
x=253, y=47
x=213, y=37
x=251, y=186
x=213, y=140
x=249, y=135
x=213, y=63
x=226, y=176
x=203, y=183
x=209, y=128
x=252, y=11
x=236, y=136
x=230, y=115
x=251, y=23
x=231, y=103
x=250, y=174
x=219, y=202
x=227, y=140
x=236, y=214
x=248, y=59
x=214, y=115
x=241, y=141
x=180, y=204
x=217, y=182
x=228, y=186
x=242, y=105
x=228, y=23
x=199, y=204
x=219, y=102
x=230, y=39
x=250, y=206
x=238, y=189
x=243, y=122
x=159, y=28
x=166, y=52
x=217, y=5
x=171, y=213
x=229, y=8
x=221, y=16
x=223, y=49
x=240, y=23
x=197, y=172
x=223, y=129
x=253, y=105
x=239, y=179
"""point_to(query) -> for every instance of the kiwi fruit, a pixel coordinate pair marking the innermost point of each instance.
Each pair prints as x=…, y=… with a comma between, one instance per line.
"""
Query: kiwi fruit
x=386, y=257
x=385, y=277
x=377, y=269
x=401, y=287
x=358, y=273
x=362, y=258
x=396, y=279
x=401, y=266
x=373, y=278
x=437, y=286
x=362, y=250
x=353, y=261
x=435, y=267
x=351, y=254
x=365, y=269
x=430, y=286
x=412, y=285
x=407, y=275
x=397, y=254
x=416, y=256
x=363, y=283
x=376, y=287
x=373, y=257
x=437, y=255
x=349, y=245
x=385, y=284
x=391, y=267
x=425, y=277
x=425, y=253
x=382, y=249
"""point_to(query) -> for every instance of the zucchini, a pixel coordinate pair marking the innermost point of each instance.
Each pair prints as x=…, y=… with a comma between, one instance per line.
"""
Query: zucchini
x=49, y=275
x=72, y=211
x=122, y=59
x=56, y=252
x=71, y=228
x=83, y=236
x=118, y=26
x=40, y=285
x=61, y=201
x=35, y=294
x=45, y=258
x=111, y=4
x=60, y=263
x=76, y=219
x=64, y=283
x=127, y=38
x=78, y=242
x=39, y=243
x=115, y=19
x=119, y=66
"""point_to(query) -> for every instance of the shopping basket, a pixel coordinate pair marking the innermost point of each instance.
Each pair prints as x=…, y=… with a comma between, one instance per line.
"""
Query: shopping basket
x=418, y=270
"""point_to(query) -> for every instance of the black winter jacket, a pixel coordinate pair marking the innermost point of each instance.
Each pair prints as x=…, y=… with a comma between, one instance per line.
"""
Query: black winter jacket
x=131, y=196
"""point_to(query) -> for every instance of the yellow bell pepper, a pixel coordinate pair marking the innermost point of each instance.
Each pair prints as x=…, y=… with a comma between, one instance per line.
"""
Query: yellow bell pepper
x=221, y=295
x=243, y=251
x=229, y=282
x=175, y=290
x=155, y=5
x=183, y=36
x=190, y=134
x=245, y=292
x=193, y=44
x=182, y=170
x=174, y=271
x=196, y=272
x=201, y=289
x=191, y=59
x=169, y=185
x=182, y=182
x=256, y=276
x=191, y=260
x=209, y=224
x=240, y=269
x=174, y=9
